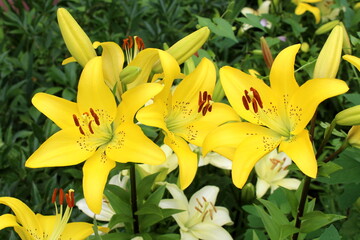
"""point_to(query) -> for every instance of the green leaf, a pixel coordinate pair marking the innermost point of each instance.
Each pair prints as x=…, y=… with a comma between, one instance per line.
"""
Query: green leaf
x=119, y=199
x=325, y=169
x=272, y=228
x=314, y=220
x=252, y=20
x=120, y=219
x=116, y=236
x=171, y=236
x=296, y=26
x=331, y=233
x=143, y=188
x=218, y=26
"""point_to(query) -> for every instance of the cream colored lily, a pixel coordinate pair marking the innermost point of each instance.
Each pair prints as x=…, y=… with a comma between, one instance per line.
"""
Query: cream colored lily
x=303, y=6
x=95, y=130
x=277, y=116
x=31, y=226
x=187, y=115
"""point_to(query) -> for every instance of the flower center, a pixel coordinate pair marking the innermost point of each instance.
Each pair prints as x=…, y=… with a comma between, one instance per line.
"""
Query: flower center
x=62, y=218
x=204, y=209
x=253, y=99
x=132, y=46
x=205, y=103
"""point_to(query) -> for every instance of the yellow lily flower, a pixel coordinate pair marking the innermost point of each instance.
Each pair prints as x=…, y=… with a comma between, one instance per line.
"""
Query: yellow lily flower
x=303, y=6
x=277, y=116
x=31, y=226
x=187, y=115
x=353, y=60
x=95, y=130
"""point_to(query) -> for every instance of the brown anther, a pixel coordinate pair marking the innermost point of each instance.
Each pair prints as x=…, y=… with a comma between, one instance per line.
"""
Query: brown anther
x=203, y=218
x=198, y=209
x=204, y=199
x=140, y=43
x=125, y=43
x=197, y=200
x=70, y=201
x=95, y=116
x=255, y=107
x=205, y=109
x=213, y=207
x=201, y=105
x=205, y=103
x=76, y=120
x=200, y=99
x=211, y=214
x=61, y=196
x=210, y=108
x=81, y=131
x=90, y=128
x=245, y=103
x=257, y=97
x=248, y=98
x=53, y=198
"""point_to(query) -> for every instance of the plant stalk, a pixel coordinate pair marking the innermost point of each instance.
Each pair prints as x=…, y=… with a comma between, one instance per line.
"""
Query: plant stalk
x=134, y=199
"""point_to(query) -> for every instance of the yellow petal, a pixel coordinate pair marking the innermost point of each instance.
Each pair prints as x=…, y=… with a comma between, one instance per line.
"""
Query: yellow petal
x=57, y=109
x=47, y=223
x=79, y=230
x=68, y=60
x=248, y=152
x=282, y=79
x=153, y=115
x=186, y=95
x=96, y=171
x=300, y=150
x=24, y=215
x=64, y=148
x=131, y=145
x=7, y=220
x=303, y=7
x=76, y=40
x=304, y=102
x=353, y=60
x=196, y=131
x=93, y=92
x=187, y=159
x=113, y=61
x=134, y=99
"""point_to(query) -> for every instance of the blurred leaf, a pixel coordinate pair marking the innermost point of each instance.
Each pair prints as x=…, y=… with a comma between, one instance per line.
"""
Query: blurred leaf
x=330, y=233
x=314, y=220
x=219, y=27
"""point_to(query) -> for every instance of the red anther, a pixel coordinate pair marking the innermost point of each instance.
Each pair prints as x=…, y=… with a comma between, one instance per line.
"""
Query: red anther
x=140, y=43
x=131, y=44
x=125, y=43
x=53, y=198
x=81, y=131
x=61, y=196
x=209, y=98
x=255, y=106
x=205, y=96
x=201, y=106
x=196, y=54
x=257, y=97
x=95, y=116
x=204, y=110
x=70, y=199
x=76, y=120
x=200, y=99
x=248, y=98
x=72, y=195
x=245, y=103
x=90, y=128
x=210, y=108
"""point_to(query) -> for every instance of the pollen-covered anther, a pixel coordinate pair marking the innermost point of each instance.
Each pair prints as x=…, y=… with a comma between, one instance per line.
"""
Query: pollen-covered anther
x=252, y=98
x=203, y=218
x=95, y=116
x=139, y=43
x=61, y=196
x=70, y=199
x=53, y=198
x=205, y=103
x=197, y=200
x=90, y=127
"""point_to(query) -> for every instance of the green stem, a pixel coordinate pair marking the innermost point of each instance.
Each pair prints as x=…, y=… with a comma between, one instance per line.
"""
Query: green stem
x=337, y=152
x=328, y=133
x=134, y=198
x=301, y=207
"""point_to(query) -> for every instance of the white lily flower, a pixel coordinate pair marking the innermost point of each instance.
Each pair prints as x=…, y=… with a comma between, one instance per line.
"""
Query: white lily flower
x=328, y=11
x=212, y=158
x=201, y=219
x=271, y=172
x=263, y=9
x=106, y=210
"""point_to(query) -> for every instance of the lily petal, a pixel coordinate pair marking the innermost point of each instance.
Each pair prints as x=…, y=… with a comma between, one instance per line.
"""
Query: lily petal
x=61, y=149
x=79, y=230
x=187, y=159
x=221, y=216
x=261, y=187
x=24, y=215
x=93, y=92
x=289, y=183
x=153, y=115
x=131, y=145
x=303, y=7
x=96, y=170
x=304, y=102
x=105, y=214
x=8, y=220
x=59, y=110
x=353, y=60
x=301, y=151
x=208, y=192
x=47, y=223
x=210, y=231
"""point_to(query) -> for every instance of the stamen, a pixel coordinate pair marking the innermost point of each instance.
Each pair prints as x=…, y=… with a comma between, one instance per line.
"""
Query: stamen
x=245, y=103
x=140, y=43
x=257, y=97
x=81, y=131
x=204, y=199
x=95, y=116
x=248, y=98
x=76, y=120
x=90, y=128
x=200, y=99
x=53, y=198
x=125, y=43
x=199, y=202
x=61, y=196
x=213, y=207
x=203, y=218
x=205, y=103
x=70, y=201
x=211, y=214
x=255, y=107
x=198, y=209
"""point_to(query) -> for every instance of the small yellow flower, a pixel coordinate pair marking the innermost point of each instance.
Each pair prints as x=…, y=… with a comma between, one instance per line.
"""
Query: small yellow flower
x=353, y=137
x=303, y=6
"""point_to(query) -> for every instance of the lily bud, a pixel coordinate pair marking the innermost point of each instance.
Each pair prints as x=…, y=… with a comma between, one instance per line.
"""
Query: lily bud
x=129, y=74
x=248, y=193
x=76, y=40
x=326, y=27
x=353, y=137
x=305, y=47
x=218, y=93
x=348, y=117
x=327, y=64
x=186, y=47
x=346, y=41
x=266, y=52
x=353, y=60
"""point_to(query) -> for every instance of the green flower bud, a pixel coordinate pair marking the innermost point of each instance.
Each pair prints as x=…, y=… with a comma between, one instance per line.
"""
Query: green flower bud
x=326, y=27
x=348, y=117
x=248, y=193
x=129, y=74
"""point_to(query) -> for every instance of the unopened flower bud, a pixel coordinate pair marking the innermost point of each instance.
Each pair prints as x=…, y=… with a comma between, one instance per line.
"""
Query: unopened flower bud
x=348, y=117
x=326, y=27
x=353, y=60
x=327, y=64
x=186, y=47
x=305, y=47
x=218, y=93
x=353, y=137
x=248, y=193
x=129, y=74
x=346, y=41
x=76, y=40
x=266, y=52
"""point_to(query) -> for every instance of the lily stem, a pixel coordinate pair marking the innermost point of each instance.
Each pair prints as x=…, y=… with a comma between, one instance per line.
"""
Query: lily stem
x=337, y=152
x=134, y=198
x=301, y=207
